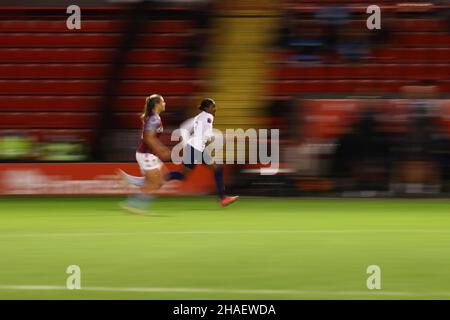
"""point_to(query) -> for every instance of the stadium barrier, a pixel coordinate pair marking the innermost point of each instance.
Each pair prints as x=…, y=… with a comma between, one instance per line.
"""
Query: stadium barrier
x=91, y=179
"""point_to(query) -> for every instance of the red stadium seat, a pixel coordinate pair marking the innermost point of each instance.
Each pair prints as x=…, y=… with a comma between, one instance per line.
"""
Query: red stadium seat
x=92, y=26
x=422, y=39
x=94, y=87
x=416, y=55
x=419, y=25
x=19, y=103
x=169, y=87
x=367, y=71
x=127, y=120
x=445, y=116
x=48, y=87
x=57, y=120
x=86, y=55
x=53, y=71
x=302, y=73
x=92, y=71
x=49, y=134
x=337, y=86
x=421, y=71
x=141, y=71
x=407, y=25
x=83, y=103
x=444, y=86
x=88, y=40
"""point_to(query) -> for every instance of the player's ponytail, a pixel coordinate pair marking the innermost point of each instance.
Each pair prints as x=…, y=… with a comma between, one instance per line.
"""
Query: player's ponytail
x=150, y=104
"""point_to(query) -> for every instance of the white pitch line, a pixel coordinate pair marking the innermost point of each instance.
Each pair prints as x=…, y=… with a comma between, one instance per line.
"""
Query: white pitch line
x=88, y=234
x=229, y=291
x=218, y=232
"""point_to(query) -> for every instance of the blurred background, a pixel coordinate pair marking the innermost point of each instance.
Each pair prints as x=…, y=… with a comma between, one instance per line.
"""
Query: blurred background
x=361, y=112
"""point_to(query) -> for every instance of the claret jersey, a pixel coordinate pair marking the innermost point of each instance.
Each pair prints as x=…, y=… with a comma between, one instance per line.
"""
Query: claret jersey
x=152, y=123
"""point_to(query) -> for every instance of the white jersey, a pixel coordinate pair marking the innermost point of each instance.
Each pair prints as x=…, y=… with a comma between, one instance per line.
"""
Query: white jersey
x=200, y=130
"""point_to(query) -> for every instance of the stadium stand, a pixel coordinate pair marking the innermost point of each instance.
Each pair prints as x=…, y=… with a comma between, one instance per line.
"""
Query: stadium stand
x=414, y=49
x=53, y=80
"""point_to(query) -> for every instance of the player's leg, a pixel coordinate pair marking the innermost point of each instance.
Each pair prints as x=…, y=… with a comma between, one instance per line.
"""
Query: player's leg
x=174, y=175
x=224, y=200
x=140, y=202
x=129, y=179
x=154, y=179
x=139, y=181
x=189, y=163
x=150, y=166
x=218, y=179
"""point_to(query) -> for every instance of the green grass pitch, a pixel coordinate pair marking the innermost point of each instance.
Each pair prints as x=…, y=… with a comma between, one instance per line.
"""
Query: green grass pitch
x=258, y=248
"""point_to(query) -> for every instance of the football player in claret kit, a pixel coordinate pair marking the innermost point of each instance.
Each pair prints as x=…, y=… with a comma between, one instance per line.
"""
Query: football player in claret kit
x=149, y=155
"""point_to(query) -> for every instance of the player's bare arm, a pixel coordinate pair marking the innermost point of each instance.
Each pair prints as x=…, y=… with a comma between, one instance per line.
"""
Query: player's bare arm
x=151, y=140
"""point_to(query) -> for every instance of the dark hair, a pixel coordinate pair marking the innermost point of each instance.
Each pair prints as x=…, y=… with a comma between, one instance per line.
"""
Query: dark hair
x=206, y=103
x=150, y=104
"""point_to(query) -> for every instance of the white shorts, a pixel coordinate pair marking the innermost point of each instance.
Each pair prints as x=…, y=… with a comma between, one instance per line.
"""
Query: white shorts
x=148, y=161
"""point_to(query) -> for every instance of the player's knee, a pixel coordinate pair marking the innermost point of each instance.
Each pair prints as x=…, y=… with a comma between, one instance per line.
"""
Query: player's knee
x=151, y=187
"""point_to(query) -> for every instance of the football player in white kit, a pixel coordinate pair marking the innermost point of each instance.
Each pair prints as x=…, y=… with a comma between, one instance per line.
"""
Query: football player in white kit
x=200, y=134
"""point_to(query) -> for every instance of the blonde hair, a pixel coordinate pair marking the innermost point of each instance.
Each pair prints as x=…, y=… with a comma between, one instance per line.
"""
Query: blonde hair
x=150, y=104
